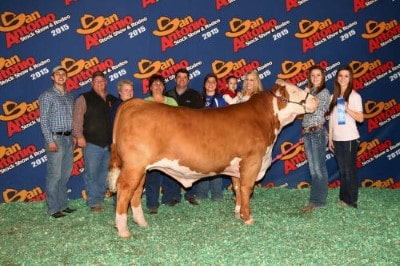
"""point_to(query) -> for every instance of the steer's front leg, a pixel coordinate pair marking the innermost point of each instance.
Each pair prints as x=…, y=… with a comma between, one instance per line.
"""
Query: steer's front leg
x=245, y=205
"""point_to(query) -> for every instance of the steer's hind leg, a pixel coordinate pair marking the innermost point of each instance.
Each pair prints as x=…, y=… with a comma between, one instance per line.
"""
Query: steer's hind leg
x=136, y=205
x=238, y=196
x=127, y=183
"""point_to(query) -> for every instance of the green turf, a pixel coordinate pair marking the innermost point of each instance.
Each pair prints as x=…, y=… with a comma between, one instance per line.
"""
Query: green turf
x=209, y=234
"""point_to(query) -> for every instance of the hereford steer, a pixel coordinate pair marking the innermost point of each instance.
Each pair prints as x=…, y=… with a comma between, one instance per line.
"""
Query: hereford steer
x=189, y=144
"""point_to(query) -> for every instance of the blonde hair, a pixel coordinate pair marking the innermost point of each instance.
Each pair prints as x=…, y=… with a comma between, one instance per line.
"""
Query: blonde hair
x=259, y=86
x=122, y=83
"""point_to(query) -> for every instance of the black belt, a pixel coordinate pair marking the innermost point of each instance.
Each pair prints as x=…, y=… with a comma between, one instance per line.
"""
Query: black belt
x=61, y=133
x=312, y=128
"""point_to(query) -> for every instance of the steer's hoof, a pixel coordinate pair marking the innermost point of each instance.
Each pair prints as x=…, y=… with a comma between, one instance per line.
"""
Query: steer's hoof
x=249, y=221
x=141, y=223
x=124, y=234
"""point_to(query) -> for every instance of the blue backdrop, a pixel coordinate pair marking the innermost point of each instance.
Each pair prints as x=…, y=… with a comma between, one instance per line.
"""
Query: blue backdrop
x=133, y=39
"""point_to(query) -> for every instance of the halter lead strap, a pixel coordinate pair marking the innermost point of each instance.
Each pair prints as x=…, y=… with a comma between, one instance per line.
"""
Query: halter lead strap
x=283, y=99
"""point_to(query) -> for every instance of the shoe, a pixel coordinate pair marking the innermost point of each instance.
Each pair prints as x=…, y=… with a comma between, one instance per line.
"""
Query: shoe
x=172, y=203
x=69, y=210
x=153, y=210
x=97, y=208
x=58, y=215
x=343, y=204
x=308, y=208
x=192, y=201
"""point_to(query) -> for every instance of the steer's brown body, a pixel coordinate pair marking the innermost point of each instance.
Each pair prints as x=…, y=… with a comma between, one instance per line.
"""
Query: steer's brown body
x=190, y=144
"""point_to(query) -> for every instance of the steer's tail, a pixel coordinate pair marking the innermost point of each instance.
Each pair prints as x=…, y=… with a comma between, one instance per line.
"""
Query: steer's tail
x=115, y=163
x=114, y=168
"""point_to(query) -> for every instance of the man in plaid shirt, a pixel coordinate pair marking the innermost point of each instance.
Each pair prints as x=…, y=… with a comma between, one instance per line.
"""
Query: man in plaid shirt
x=56, y=107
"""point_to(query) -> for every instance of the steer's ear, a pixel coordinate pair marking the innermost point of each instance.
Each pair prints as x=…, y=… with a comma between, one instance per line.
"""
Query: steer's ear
x=280, y=82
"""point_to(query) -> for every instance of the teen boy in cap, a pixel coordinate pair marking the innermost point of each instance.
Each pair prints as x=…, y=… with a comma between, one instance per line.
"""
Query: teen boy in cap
x=56, y=106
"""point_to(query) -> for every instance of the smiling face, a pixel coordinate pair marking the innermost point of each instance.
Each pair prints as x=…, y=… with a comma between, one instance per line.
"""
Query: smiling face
x=343, y=79
x=182, y=81
x=157, y=88
x=316, y=77
x=59, y=77
x=210, y=86
x=99, y=85
x=251, y=84
x=126, y=92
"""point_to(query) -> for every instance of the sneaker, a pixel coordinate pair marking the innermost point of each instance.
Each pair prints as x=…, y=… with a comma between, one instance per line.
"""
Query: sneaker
x=58, y=215
x=69, y=210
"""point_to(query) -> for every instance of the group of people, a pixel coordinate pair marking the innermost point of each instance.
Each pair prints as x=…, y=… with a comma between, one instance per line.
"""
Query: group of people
x=87, y=122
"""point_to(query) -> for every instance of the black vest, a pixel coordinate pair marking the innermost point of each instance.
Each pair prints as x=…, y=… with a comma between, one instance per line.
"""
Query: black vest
x=96, y=122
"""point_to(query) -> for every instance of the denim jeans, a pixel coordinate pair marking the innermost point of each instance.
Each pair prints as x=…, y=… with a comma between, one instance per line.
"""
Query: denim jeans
x=210, y=184
x=95, y=174
x=152, y=188
x=346, y=157
x=172, y=190
x=59, y=167
x=315, y=144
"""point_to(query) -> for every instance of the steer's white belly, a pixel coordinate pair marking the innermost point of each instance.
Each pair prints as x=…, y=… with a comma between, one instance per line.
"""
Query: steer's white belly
x=187, y=176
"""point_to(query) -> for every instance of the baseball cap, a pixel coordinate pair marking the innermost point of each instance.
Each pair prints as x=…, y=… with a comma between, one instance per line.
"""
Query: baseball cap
x=58, y=68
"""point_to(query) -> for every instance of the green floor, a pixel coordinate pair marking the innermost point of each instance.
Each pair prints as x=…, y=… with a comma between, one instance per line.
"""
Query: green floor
x=209, y=234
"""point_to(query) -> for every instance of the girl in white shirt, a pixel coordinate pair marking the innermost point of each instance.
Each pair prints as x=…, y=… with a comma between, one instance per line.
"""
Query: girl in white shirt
x=345, y=110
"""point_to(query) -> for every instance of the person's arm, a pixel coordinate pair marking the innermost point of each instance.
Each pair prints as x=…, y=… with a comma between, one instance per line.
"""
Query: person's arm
x=358, y=116
x=330, y=136
x=44, y=108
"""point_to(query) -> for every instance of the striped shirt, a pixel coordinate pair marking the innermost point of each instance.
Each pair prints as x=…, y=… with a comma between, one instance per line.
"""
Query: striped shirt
x=55, y=112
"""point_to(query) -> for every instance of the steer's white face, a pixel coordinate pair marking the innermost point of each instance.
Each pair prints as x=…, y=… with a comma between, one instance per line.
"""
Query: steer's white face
x=298, y=102
x=297, y=95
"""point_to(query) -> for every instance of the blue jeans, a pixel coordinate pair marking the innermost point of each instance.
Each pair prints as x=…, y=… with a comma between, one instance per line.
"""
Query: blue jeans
x=171, y=190
x=346, y=157
x=59, y=167
x=95, y=174
x=210, y=184
x=315, y=144
x=152, y=188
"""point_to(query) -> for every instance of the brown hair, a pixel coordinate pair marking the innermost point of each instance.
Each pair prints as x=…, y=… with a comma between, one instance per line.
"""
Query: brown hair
x=337, y=90
x=309, y=83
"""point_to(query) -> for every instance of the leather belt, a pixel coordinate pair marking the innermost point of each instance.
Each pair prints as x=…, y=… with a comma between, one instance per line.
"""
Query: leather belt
x=312, y=128
x=65, y=133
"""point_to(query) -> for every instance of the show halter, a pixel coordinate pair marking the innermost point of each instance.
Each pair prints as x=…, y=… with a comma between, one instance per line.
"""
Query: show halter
x=286, y=100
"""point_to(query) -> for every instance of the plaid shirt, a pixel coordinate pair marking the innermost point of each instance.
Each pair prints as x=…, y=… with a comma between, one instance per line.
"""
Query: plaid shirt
x=55, y=112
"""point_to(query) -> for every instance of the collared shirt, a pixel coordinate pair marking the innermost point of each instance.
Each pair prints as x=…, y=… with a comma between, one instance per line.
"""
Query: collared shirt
x=55, y=112
x=318, y=117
